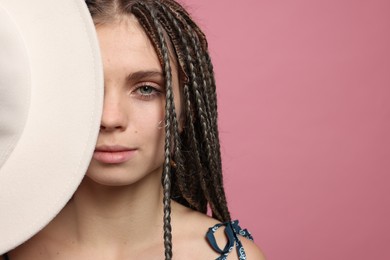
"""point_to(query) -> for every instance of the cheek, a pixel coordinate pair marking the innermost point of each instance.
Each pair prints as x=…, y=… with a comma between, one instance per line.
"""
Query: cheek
x=148, y=124
x=147, y=115
x=149, y=132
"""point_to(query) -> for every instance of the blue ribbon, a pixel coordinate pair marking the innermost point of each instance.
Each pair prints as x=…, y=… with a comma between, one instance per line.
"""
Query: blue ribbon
x=232, y=230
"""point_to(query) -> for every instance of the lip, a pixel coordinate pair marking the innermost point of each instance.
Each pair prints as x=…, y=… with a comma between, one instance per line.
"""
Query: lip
x=113, y=154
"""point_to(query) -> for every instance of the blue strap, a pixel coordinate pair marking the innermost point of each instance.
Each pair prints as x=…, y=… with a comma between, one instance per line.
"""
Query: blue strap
x=232, y=230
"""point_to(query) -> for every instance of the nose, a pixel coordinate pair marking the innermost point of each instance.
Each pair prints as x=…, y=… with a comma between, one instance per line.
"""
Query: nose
x=114, y=117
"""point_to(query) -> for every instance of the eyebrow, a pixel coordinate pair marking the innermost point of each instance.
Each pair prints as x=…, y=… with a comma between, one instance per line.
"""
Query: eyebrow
x=145, y=75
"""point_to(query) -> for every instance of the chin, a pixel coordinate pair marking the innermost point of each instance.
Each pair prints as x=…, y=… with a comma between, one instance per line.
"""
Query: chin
x=122, y=176
x=112, y=178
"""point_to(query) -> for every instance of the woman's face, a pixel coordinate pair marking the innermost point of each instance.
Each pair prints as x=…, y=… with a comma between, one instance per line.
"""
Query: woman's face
x=130, y=145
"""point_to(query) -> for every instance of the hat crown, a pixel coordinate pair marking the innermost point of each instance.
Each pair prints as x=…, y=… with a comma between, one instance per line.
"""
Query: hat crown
x=14, y=85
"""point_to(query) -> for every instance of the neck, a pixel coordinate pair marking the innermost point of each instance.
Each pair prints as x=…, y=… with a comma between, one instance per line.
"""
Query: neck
x=103, y=215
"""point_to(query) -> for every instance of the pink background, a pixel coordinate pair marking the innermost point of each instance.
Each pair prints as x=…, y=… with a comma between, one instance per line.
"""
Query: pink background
x=304, y=89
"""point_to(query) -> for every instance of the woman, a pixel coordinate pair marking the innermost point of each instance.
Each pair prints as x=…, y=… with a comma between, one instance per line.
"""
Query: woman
x=157, y=156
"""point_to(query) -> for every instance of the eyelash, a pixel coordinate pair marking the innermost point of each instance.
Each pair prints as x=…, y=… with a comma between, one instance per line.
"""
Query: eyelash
x=154, y=91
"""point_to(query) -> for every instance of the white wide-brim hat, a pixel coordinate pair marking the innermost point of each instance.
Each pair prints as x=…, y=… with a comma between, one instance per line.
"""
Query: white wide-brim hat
x=51, y=98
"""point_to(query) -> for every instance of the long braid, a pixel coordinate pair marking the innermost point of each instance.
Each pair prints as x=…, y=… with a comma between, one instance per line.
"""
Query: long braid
x=200, y=106
x=146, y=23
x=170, y=115
x=187, y=184
x=210, y=92
x=186, y=45
x=212, y=85
x=204, y=115
x=209, y=88
x=217, y=178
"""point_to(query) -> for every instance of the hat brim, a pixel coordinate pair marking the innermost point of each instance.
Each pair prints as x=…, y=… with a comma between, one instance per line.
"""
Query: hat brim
x=56, y=145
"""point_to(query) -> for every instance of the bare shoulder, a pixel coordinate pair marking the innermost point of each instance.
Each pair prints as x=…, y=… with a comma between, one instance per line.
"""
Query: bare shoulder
x=190, y=223
x=189, y=229
x=186, y=215
x=252, y=251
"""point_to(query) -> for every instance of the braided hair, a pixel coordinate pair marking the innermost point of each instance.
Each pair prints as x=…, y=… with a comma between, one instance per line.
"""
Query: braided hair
x=192, y=171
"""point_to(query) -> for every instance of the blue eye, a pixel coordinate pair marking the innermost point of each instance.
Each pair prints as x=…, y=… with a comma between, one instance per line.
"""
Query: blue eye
x=147, y=92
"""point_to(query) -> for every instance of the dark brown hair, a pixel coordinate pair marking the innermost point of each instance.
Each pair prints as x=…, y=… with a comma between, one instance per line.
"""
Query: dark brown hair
x=192, y=172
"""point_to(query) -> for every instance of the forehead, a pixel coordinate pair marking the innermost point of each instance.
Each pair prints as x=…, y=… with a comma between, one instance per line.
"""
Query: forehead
x=125, y=45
